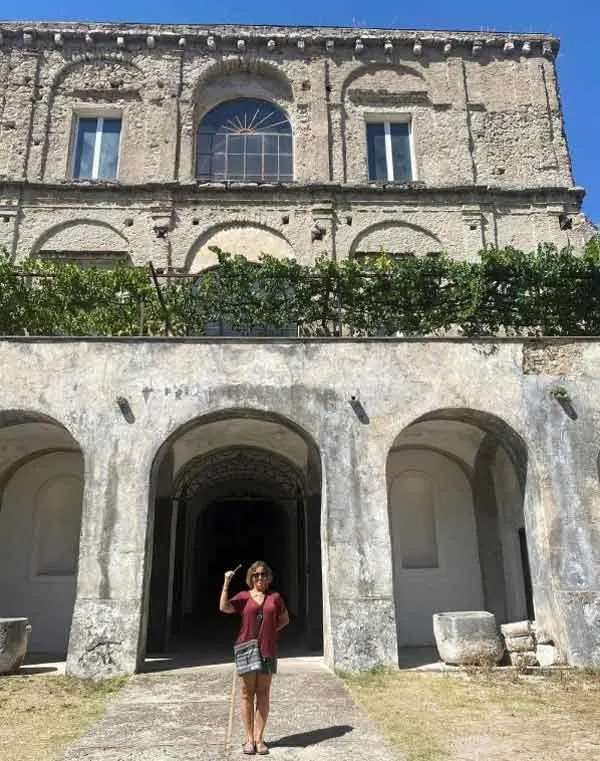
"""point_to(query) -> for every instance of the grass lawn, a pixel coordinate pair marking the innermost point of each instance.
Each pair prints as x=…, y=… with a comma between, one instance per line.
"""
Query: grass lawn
x=489, y=715
x=41, y=715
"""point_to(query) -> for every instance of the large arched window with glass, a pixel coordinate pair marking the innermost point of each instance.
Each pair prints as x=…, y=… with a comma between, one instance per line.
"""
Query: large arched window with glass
x=245, y=140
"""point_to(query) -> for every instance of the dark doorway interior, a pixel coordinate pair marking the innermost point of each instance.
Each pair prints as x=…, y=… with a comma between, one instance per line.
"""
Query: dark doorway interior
x=230, y=532
x=194, y=547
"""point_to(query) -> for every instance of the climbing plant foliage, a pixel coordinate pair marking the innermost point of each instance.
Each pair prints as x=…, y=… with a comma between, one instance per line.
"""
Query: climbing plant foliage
x=505, y=292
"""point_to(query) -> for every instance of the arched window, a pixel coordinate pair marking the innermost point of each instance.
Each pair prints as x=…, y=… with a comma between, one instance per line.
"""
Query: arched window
x=245, y=140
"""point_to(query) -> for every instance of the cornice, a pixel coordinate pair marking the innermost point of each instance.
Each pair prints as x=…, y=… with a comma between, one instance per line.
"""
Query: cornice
x=170, y=192
x=242, y=39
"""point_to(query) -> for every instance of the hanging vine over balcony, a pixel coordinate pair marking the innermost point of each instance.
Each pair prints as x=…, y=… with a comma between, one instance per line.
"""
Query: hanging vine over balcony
x=506, y=292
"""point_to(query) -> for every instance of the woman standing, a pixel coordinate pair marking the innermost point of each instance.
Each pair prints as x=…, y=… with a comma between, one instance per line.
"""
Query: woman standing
x=263, y=615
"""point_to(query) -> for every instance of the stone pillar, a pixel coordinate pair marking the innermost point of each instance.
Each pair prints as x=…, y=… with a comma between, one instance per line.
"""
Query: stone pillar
x=561, y=513
x=360, y=622
x=107, y=630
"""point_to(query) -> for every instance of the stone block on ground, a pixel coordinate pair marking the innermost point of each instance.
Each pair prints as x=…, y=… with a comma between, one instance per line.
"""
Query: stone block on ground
x=467, y=637
x=547, y=655
x=14, y=635
x=520, y=644
x=521, y=660
x=516, y=629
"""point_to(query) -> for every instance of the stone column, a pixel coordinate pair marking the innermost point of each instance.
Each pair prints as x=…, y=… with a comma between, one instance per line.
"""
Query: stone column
x=561, y=512
x=360, y=623
x=107, y=630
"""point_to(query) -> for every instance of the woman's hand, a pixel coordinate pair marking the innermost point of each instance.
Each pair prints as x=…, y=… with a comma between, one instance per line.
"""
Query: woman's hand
x=224, y=605
x=230, y=574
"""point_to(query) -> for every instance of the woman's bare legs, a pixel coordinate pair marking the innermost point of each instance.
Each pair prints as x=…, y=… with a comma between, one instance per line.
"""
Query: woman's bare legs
x=263, y=694
x=249, y=683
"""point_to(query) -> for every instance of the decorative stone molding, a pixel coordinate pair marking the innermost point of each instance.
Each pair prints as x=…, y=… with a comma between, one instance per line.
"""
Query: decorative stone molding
x=230, y=37
x=238, y=464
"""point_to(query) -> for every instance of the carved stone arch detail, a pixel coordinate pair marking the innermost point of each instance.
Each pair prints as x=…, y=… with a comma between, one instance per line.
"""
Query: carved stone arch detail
x=411, y=238
x=365, y=69
x=109, y=237
x=207, y=472
x=103, y=58
x=250, y=67
x=258, y=239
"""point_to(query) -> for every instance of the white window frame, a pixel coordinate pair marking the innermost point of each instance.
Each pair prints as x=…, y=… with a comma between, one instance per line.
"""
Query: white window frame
x=100, y=116
x=387, y=118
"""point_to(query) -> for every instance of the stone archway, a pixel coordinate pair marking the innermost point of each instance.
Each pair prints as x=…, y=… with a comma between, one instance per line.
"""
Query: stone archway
x=455, y=497
x=229, y=504
x=41, y=494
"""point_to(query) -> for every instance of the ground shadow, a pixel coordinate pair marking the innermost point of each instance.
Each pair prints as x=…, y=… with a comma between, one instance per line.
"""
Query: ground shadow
x=304, y=739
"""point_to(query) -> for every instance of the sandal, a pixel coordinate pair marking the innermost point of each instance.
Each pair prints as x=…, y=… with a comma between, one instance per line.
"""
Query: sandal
x=262, y=748
x=249, y=748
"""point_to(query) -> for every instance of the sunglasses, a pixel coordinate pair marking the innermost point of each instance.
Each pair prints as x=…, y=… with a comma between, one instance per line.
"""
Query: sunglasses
x=260, y=574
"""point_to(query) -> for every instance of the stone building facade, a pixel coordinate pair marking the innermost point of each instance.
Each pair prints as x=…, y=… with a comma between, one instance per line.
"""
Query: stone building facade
x=380, y=483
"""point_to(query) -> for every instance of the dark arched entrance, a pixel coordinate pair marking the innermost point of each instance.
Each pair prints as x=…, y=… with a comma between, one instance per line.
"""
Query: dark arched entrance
x=232, y=505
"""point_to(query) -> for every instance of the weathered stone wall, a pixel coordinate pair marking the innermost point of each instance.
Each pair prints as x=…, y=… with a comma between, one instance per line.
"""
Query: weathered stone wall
x=168, y=383
x=487, y=132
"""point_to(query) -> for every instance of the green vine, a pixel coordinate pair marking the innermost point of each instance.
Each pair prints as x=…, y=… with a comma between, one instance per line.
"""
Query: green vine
x=506, y=292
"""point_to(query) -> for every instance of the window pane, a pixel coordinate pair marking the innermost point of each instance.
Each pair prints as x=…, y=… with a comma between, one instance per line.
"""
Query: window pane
x=253, y=168
x=220, y=143
x=84, y=148
x=109, y=149
x=285, y=168
x=271, y=165
x=285, y=144
x=218, y=166
x=401, y=152
x=271, y=143
x=204, y=166
x=254, y=143
x=376, y=152
x=205, y=143
x=235, y=144
x=235, y=167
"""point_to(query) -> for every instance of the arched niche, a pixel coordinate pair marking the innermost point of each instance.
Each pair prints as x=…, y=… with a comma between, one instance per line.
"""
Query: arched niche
x=237, y=238
x=41, y=494
x=455, y=496
x=89, y=242
x=395, y=237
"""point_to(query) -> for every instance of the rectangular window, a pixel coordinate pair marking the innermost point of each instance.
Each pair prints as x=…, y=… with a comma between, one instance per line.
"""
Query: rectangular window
x=97, y=142
x=388, y=149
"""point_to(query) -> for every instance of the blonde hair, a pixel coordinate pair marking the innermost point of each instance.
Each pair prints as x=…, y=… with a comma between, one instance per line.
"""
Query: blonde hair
x=252, y=570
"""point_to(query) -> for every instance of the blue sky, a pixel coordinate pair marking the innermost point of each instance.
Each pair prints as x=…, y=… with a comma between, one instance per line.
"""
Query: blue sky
x=576, y=23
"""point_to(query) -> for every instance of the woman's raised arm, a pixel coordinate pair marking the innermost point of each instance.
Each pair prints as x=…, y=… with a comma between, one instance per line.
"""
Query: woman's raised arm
x=224, y=605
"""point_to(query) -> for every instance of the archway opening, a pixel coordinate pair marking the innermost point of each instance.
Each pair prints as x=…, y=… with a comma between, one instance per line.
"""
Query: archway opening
x=41, y=494
x=455, y=495
x=229, y=490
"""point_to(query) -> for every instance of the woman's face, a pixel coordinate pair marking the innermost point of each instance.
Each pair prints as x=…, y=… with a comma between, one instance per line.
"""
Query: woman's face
x=260, y=579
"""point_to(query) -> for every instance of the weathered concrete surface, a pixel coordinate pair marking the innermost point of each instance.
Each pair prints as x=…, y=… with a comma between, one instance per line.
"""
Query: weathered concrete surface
x=467, y=637
x=309, y=382
x=194, y=714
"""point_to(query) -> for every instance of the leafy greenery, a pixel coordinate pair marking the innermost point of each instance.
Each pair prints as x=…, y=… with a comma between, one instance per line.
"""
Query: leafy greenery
x=505, y=292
